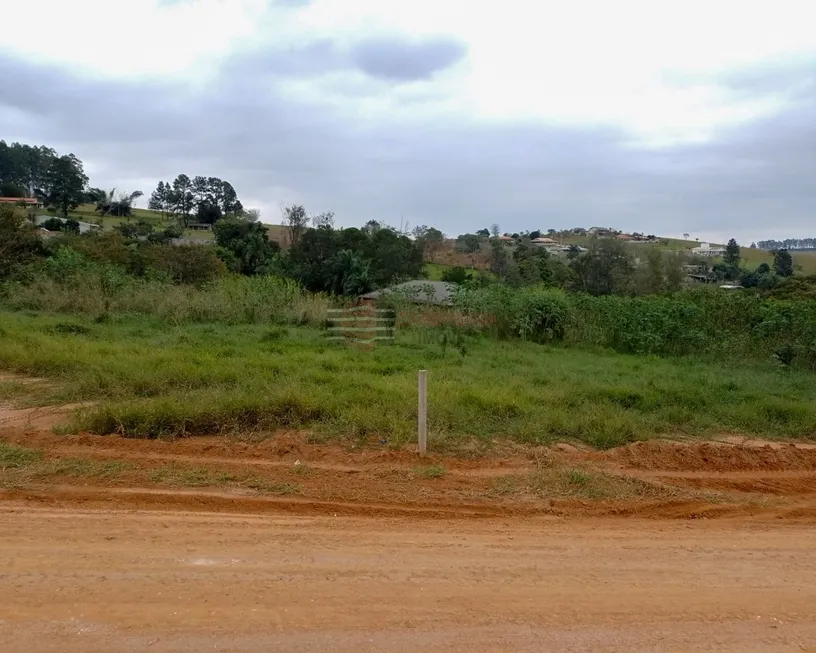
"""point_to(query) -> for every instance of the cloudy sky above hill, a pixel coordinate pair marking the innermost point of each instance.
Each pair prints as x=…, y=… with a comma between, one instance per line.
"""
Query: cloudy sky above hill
x=664, y=117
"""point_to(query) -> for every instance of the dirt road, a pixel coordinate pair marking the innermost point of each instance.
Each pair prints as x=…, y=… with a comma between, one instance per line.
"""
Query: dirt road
x=106, y=581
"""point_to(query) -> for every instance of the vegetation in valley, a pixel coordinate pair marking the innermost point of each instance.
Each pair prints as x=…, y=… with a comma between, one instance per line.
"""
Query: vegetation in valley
x=598, y=342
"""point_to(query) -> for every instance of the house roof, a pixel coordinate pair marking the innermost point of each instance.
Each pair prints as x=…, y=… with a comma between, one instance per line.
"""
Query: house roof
x=419, y=291
x=17, y=200
x=543, y=239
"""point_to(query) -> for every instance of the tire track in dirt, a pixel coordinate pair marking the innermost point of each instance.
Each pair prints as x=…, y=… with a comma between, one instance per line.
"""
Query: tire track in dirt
x=677, y=479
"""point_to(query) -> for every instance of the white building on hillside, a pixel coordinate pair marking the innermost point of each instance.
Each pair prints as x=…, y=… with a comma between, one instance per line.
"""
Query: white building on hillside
x=704, y=249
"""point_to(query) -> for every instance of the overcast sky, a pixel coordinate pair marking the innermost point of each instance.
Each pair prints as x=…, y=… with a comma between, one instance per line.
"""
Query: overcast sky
x=657, y=116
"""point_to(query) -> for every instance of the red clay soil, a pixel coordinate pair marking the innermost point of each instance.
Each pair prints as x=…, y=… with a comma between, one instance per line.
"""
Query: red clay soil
x=102, y=581
x=373, y=549
x=672, y=479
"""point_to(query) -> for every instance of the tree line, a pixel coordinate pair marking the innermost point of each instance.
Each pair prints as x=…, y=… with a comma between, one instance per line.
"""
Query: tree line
x=207, y=199
x=788, y=243
x=39, y=171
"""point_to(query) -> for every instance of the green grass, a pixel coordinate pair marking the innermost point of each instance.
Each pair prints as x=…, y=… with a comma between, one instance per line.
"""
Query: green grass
x=591, y=484
x=13, y=456
x=151, y=379
x=21, y=466
x=429, y=471
x=434, y=271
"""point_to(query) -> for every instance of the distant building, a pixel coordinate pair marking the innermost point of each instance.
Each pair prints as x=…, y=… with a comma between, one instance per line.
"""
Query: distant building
x=624, y=237
x=602, y=232
x=30, y=202
x=704, y=249
x=544, y=241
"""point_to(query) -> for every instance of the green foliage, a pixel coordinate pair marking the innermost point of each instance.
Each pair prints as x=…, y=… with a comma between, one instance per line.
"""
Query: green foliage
x=703, y=320
x=150, y=377
x=732, y=253
x=499, y=259
x=11, y=189
x=14, y=456
x=375, y=257
x=537, y=314
x=19, y=242
x=210, y=198
x=456, y=275
x=208, y=213
x=297, y=220
x=429, y=239
x=134, y=230
x=120, y=206
x=26, y=167
x=469, y=243
x=71, y=283
x=349, y=274
x=112, y=256
x=783, y=263
x=65, y=184
x=71, y=226
x=251, y=252
x=186, y=264
x=52, y=224
x=605, y=268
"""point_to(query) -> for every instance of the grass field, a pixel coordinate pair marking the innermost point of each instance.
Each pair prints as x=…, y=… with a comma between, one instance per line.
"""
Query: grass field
x=151, y=379
x=87, y=213
x=434, y=271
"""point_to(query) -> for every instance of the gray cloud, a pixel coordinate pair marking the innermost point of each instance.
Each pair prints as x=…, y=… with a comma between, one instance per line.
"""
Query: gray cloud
x=406, y=60
x=752, y=181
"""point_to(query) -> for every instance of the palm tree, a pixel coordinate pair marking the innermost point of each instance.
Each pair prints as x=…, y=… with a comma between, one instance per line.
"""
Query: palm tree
x=686, y=236
x=120, y=206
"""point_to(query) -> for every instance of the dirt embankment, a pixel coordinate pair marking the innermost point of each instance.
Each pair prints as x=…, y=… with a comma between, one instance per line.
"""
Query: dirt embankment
x=288, y=473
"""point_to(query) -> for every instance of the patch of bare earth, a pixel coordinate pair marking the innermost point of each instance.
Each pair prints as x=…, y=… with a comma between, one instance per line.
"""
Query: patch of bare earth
x=285, y=472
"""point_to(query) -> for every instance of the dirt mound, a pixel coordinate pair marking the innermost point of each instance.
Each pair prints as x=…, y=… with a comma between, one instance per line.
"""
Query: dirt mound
x=713, y=456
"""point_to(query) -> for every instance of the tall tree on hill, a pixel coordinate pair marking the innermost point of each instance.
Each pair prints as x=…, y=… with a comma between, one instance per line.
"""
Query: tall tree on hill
x=323, y=220
x=160, y=198
x=65, y=184
x=26, y=166
x=732, y=253
x=783, y=263
x=225, y=197
x=181, y=198
x=297, y=220
x=213, y=191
